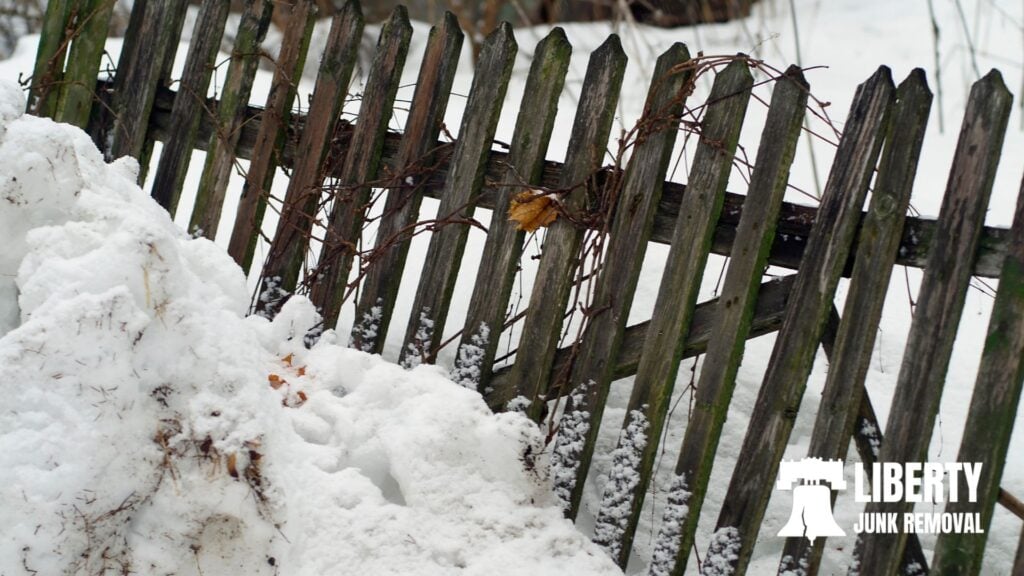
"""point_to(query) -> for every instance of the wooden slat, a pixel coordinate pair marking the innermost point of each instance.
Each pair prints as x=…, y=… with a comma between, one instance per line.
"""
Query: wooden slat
x=281, y=271
x=620, y=271
x=555, y=278
x=634, y=455
x=78, y=85
x=270, y=136
x=504, y=245
x=943, y=291
x=876, y=254
x=469, y=160
x=401, y=209
x=990, y=420
x=867, y=437
x=44, y=91
x=793, y=355
x=1018, y=561
x=220, y=156
x=734, y=322
x=352, y=193
x=791, y=233
x=140, y=71
x=189, y=105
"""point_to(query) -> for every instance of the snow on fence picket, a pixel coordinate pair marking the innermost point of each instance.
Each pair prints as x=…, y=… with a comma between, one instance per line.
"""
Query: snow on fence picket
x=631, y=207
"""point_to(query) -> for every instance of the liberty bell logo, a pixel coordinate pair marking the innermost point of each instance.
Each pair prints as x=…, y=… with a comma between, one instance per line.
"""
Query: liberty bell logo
x=812, y=505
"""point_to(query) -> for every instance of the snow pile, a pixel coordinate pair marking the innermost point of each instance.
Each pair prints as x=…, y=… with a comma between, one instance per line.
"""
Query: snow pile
x=149, y=427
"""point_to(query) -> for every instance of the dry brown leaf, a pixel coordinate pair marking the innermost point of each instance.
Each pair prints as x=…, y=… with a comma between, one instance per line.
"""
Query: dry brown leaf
x=532, y=210
x=288, y=360
x=301, y=371
x=233, y=465
x=275, y=381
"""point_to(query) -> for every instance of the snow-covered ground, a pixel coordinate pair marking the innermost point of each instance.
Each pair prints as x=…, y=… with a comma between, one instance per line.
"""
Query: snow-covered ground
x=109, y=251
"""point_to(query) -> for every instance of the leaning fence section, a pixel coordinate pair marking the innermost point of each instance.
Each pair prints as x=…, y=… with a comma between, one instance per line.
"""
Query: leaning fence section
x=598, y=223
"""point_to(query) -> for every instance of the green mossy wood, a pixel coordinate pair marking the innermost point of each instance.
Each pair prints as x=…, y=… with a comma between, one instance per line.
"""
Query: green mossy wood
x=940, y=303
x=458, y=197
x=793, y=355
x=78, y=84
x=504, y=245
x=234, y=97
x=588, y=141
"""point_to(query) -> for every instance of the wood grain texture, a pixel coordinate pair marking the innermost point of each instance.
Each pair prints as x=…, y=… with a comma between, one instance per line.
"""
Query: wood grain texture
x=269, y=138
x=190, y=104
x=504, y=245
x=142, y=68
x=940, y=302
x=736, y=310
x=637, y=203
x=793, y=355
x=990, y=419
x=48, y=71
x=555, y=278
x=680, y=282
x=345, y=223
x=288, y=249
x=469, y=161
x=78, y=85
x=876, y=253
x=221, y=145
x=413, y=155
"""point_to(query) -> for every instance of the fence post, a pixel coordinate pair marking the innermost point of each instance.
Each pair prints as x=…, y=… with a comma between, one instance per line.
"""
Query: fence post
x=78, y=85
x=44, y=91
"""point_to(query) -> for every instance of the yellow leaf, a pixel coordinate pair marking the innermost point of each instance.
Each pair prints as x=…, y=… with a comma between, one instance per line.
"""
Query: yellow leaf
x=532, y=210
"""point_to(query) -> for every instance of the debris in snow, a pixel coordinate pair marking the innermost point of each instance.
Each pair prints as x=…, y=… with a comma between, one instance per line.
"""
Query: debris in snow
x=623, y=478
x=421, y=341
x=722, y=553
x=565, y=459
x=666, y=548
x=368, y=327
x=470, y=357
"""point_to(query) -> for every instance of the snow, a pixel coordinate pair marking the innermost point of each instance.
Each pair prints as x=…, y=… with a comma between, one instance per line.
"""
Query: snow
x=623, y=478
x=670, y=534
x=565, y=458
x=470, y=358
x=722, y=553
x=844, y=41
x=150, y=426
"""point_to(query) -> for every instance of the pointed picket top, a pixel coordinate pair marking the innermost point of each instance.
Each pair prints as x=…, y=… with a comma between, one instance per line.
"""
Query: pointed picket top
x=503, y=247
x=531, y=374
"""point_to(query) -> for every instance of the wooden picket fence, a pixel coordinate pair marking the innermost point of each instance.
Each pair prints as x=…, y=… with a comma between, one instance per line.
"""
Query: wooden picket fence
x=342, y=162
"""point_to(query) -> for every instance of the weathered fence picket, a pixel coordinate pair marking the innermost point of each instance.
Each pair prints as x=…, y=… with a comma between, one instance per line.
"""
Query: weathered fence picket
x=555, y=278
x=734, y=322
x=270, y=138
x=287, y=253
x=592, y=252
x=940, y=303
x=189, y=104
x=234, y=97
x=504, y=245
x=793, y=355
x=344, y=225
x=637, y=202
x=401, y=209
x=879, y=240
x=469, y=162
x=633, y=459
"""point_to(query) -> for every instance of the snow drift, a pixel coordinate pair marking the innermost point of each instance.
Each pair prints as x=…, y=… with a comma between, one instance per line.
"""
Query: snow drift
x=149, y=426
